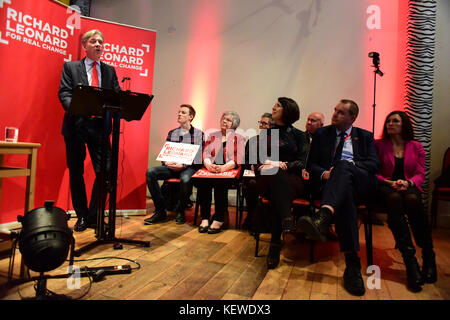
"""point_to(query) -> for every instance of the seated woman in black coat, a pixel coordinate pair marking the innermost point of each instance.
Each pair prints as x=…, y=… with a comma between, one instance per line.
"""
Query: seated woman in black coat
x=279, y=179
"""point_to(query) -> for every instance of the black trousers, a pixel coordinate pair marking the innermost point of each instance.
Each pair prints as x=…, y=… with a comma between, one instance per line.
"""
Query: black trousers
x=405, y=210
x=88, y=134
x=347, y=187
x=162, y=173
x=205, y=189
x=280, y=189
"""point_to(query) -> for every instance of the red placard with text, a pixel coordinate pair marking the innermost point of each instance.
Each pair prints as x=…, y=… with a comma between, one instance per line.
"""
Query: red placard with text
x=204, y=173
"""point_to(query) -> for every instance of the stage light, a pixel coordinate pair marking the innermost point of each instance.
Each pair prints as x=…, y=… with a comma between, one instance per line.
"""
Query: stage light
x=45, y=238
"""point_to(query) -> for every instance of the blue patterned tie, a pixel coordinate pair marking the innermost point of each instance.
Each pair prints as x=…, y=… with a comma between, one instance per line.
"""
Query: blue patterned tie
x=338, y=153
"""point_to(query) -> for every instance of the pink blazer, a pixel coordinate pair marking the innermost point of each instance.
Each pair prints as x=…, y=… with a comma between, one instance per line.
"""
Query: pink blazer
x=414, y=165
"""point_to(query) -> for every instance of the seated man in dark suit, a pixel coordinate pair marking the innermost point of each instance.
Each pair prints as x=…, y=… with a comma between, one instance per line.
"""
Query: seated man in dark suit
x=342, y=163
x=185, y=133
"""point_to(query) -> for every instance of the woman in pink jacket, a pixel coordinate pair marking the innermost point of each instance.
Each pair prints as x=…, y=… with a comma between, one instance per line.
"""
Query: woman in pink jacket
x=400, y=178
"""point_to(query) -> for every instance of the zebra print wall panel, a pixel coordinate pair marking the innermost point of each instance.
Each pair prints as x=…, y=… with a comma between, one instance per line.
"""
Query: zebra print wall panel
x=421, y=32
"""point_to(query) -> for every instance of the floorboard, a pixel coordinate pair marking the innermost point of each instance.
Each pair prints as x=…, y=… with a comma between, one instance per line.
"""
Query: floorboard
x=182, y=264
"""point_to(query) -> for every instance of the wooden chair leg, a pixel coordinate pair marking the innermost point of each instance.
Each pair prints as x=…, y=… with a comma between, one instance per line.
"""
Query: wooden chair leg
x=434, y=207
x=370, y=247
x=311, y=251
x=368, y=237
x=241, y=208
x=196, y=211
x=237, y=209
x=257, y=243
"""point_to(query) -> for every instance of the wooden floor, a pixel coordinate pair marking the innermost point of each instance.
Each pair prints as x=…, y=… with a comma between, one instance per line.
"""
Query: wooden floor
x=182, y=264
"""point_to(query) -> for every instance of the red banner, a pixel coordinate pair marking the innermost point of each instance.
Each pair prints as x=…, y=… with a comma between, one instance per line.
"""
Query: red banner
x=36, y=38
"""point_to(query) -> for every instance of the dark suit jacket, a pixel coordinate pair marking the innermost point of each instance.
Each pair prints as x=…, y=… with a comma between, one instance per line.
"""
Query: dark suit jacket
x=322, y=152
x=74, y=73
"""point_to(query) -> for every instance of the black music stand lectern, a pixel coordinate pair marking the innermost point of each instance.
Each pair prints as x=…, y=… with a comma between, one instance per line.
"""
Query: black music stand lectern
x=112, y=106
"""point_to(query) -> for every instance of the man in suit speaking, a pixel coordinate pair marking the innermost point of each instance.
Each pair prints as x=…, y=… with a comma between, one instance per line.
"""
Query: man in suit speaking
x=342, y=163
x=79, y=131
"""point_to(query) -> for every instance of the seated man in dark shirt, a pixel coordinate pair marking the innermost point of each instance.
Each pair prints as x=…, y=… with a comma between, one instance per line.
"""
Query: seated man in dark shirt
x=185, y=133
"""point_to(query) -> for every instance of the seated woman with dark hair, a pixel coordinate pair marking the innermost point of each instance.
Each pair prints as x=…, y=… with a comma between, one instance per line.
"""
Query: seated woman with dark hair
x=280, y=180
x=223, y=151
x=401, y=176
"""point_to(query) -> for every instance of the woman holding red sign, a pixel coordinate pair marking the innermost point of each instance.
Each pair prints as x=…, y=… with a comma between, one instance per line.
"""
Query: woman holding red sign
x=223, y=151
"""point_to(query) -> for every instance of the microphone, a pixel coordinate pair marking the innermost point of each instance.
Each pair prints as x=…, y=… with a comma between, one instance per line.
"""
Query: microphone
x=376, y=62
x=375, y=57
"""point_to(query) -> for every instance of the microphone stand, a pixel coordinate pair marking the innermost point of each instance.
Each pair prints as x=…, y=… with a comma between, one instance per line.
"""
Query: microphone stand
x=375, y=220
x=376, y=71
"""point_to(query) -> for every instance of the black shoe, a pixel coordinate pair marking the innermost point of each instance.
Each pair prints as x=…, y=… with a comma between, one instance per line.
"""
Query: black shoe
x=81, y=225
x=156, y=218
x=287, y=225
x=203, y=229
x=273, y=258
x=353, y=281
x=317, y=226
x=180, y=219
x=214, y=230
x=429, y=270
x=413, y=274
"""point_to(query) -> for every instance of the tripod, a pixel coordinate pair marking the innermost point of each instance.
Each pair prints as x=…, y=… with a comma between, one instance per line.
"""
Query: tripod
x=112, y=106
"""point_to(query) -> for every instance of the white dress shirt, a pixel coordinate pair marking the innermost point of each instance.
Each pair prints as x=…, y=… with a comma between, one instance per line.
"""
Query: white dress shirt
x=88, y=64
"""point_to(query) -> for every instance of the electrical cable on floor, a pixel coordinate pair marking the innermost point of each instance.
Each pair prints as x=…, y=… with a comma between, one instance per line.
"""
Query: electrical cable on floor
x=108, y=258
x=52, y=295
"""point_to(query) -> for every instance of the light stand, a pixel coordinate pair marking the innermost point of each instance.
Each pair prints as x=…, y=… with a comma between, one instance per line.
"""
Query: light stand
x=376, y=64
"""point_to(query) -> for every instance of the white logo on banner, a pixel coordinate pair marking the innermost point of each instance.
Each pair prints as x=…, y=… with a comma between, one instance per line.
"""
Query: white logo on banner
x=33, y=31
x=126, y=57
x=4, y=1
x=1, y=6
